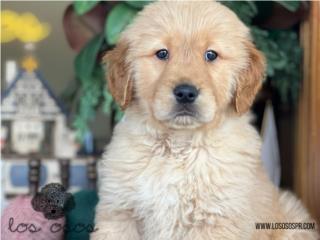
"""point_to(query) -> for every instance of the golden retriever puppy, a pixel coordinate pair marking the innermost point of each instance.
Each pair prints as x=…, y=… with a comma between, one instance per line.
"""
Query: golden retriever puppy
x=184, y=164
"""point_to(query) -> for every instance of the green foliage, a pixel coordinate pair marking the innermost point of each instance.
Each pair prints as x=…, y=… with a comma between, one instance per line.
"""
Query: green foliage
x=138, y=4
x=245, y=10
x=93, y=90
x=118, y=113
x=86, y=60
x=272, y=51
x=107, y=101
x=281, y=49
x=283, y=54
x=290, y=5
x=91, y=93
x=83, y=6
x=287, y=78
x=120, y=16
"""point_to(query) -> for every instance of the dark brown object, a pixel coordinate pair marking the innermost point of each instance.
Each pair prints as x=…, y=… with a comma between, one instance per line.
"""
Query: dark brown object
x=34, y=174
x=282, y=18
x=65, y=172
x=92, y=173
x=79, y=30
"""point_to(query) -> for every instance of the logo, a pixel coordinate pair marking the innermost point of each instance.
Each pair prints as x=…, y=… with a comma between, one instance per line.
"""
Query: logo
x=53, y=201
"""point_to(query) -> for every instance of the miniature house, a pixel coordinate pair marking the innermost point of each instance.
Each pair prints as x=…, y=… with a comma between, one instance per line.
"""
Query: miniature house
x=33, y=119
x=34, y=122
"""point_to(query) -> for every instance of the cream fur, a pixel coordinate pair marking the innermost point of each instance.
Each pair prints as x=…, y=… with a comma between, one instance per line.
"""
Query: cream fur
x=202, y=180
x=199, y=186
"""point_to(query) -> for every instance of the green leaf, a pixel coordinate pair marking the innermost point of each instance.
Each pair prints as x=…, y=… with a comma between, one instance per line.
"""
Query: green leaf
x=83, y=6
x=253, y=7
x=91, y=96
x=86, y=59
x=118, y=114
x=290, y=5
x=119, y=17
x=245, y=10
x=93, y=89
x=107, y=102
x=138, y=4
x=81, y=127
x=286, y=80
x=70, y=92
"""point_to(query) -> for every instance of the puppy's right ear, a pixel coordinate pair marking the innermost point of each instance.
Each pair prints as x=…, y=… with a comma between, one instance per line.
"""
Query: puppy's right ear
x=118, y=74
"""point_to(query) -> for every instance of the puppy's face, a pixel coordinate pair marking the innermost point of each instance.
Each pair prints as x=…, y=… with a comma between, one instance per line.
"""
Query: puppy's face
x=183, y=63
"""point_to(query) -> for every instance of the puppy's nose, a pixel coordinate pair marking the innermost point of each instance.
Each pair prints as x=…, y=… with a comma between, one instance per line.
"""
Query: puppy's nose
x=185, y=93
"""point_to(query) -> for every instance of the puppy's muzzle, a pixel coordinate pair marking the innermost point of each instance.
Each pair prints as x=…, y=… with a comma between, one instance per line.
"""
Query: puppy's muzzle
x=185, y=94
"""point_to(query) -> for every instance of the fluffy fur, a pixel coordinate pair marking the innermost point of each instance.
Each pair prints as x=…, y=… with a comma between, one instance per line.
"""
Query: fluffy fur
x=166, y=176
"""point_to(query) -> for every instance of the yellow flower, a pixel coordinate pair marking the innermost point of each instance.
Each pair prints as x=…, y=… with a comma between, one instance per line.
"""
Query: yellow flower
x=25, y=27
x=8, y=22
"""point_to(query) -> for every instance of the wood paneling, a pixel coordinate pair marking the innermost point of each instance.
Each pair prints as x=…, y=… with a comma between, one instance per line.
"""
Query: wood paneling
x=307, y=161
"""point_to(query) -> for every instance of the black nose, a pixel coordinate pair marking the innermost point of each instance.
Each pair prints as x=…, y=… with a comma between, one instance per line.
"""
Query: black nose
x=185, y=93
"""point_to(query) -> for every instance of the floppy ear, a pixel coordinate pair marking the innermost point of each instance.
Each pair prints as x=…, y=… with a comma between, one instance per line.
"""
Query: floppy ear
x=118, y=75
x=249, y=80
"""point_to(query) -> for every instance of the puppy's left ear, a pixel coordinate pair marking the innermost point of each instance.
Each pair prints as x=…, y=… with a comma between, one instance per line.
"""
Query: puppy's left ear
x=119, y=78
x=249, y=80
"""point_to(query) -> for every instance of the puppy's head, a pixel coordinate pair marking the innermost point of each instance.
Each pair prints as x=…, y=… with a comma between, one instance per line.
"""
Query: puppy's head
x=184, y=63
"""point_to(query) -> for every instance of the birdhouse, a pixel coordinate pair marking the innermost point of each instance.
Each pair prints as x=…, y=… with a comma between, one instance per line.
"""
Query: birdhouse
x=33, y=119
x=34, y=122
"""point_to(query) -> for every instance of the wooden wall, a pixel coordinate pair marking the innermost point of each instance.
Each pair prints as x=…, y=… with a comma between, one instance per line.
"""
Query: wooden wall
x=307, y=156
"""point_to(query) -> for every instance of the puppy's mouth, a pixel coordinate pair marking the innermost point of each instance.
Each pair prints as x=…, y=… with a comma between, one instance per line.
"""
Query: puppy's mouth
x=184, y=115
x=185, y=111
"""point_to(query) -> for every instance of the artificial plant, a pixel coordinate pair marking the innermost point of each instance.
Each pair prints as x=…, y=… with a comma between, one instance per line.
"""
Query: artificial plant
x=106, y=20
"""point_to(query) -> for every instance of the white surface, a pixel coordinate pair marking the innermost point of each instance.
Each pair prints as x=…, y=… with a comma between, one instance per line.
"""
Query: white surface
x=270, y=147
x=65, y=140
x=11, y=71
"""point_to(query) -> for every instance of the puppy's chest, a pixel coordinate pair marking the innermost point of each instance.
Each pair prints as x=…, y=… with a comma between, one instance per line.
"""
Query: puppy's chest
x=180, y=185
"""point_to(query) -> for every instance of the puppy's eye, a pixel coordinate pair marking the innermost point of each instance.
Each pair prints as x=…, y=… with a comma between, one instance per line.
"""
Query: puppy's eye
x=210, y=55
x=162, y=54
